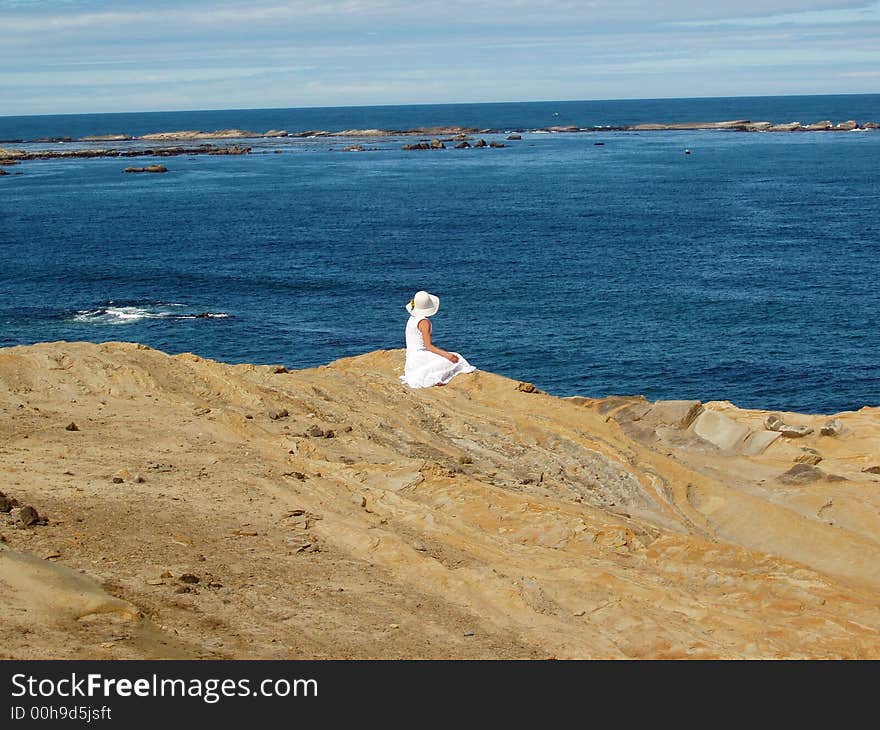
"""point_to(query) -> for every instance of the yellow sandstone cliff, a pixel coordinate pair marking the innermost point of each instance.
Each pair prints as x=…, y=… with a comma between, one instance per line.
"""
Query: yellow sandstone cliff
x=196, y=509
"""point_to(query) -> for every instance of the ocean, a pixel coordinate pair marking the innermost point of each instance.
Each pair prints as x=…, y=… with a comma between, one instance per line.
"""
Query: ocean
x=591, y=263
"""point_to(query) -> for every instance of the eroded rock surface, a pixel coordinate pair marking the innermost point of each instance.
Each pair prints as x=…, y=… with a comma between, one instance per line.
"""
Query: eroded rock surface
x=475, y=520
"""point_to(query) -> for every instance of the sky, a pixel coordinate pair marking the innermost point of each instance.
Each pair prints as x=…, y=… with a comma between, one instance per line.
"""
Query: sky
x=86, y=56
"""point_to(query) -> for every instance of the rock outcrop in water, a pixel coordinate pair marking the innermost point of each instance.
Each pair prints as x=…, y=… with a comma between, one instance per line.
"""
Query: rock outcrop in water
x=128, y=146
x=148, y=168
x=250, y=512
x=8, y=156
x=218, y=134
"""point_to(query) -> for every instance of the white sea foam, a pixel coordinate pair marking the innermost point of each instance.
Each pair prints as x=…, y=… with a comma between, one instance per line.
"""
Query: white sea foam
x=117, y=315
x=114, y=314
x=202, y=315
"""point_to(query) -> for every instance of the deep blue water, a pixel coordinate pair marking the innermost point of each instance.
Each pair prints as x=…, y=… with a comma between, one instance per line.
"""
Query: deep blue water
x=748, y=270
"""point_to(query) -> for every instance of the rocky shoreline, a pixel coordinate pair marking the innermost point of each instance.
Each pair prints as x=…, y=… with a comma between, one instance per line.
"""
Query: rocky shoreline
x=159, y=506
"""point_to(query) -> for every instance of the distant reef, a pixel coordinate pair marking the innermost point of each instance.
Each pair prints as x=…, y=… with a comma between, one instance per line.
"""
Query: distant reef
x=12, y=157
x=185, y=135
x=434, y=138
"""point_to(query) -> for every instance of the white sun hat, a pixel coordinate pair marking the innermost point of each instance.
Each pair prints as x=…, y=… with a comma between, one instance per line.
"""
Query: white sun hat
x=423, y=304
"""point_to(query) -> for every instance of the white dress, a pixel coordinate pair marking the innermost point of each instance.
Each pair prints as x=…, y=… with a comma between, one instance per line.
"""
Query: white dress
x=424, y=368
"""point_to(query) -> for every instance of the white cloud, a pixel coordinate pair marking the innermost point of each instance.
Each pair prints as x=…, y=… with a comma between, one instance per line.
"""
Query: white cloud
x=429, y=14
x=195, y=15
x=128, y=77
x=273, y=53
x=835, y=16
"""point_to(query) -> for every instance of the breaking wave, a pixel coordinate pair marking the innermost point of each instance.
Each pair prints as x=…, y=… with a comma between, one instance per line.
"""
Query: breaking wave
x=116, y=314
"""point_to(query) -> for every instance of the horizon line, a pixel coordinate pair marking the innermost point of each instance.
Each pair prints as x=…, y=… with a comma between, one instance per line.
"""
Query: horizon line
x=431, y=104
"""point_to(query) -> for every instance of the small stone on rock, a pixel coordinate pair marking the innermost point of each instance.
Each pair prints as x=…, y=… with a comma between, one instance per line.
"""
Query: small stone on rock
x=832, y=428
x=802, y=474
x=71, y=427
x=7, y=503
x=189, y=578
x=27, y=516
x=795, y=431
x=773, y=422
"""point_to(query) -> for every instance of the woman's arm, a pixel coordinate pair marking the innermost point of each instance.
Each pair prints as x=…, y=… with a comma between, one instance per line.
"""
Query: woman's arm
x=425, y=329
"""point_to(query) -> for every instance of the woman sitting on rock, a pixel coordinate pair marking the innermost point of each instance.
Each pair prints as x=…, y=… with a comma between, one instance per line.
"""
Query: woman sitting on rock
x=427, y=364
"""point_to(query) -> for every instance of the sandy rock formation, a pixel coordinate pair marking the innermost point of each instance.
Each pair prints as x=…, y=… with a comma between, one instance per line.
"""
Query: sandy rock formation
x=218, y=134
x=475, y=520
x=785, y=127
x=362, y=133
x=105, y=138
x=731, y=124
